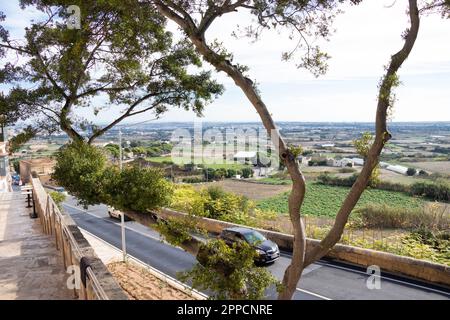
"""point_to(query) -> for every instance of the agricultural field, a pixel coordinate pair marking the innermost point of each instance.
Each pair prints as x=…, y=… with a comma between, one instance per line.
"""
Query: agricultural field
x=432, y=166
x=235, y=166
x=253, y=191
x=325, y=201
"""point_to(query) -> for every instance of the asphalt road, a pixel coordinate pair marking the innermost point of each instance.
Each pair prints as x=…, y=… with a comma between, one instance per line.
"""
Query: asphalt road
x=321, y=280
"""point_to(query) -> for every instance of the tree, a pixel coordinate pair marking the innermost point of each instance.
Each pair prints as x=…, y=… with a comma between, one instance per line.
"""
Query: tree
x=81, y=169
x=113, y=149
x=121, y=54
x=305, y=18
x=411, y=171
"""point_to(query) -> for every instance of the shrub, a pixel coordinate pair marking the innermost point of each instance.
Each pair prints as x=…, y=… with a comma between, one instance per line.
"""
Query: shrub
x=337, y=181
x=384, y=216
x=247, y=172
x=212, y=202
x=57, y=197
x=316, y=163
x=392, y=186
x=423, y=173
x=136, y=189
x=438, y=190
x=411, y=171
x=231, y=173
x=193, y=180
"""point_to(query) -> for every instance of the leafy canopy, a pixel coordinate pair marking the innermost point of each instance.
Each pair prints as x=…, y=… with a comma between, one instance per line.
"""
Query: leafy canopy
x=122, y=57
x=82, y=170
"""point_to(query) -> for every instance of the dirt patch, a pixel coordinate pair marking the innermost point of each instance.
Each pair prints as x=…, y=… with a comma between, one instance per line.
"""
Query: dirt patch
x=252, y=191
x=140, y=284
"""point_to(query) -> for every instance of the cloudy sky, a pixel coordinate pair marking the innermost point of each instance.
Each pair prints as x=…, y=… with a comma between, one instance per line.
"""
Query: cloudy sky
x=366, y=36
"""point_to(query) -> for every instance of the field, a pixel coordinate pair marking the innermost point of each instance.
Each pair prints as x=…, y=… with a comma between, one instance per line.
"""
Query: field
x=159, y=159
x=252, y=191
x=212, y=165
x=325, y=201
x=433, y=166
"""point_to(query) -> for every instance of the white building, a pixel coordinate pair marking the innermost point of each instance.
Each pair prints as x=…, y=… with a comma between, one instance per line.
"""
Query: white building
x=397, y=169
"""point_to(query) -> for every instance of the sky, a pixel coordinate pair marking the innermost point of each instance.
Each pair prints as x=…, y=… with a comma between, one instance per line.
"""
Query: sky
x=365, y=38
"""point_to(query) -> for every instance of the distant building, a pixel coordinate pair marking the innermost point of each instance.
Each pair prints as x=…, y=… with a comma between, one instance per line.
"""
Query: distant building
x=358, y=161
x=397, y=169
x=345, y=162
x=303, y=159
x=327, y=146
x=42, y=166
x=246, y=156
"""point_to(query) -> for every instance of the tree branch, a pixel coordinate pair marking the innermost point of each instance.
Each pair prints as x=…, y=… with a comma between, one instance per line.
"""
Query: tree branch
x=381, y=137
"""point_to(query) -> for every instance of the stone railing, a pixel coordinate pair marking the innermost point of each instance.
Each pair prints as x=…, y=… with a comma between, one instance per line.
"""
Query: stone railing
x=92, y=279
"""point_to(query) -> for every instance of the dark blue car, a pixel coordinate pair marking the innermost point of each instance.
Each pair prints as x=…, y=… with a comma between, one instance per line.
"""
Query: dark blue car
x=267, y=251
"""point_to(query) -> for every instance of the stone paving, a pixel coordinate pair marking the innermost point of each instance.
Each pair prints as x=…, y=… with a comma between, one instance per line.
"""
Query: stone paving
x=30, y=266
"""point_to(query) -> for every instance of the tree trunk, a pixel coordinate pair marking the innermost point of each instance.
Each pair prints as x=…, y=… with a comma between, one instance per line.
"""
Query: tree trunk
x=299, y=260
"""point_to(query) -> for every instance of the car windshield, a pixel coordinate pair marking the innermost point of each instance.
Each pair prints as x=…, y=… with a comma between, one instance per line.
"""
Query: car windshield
x=254, y=237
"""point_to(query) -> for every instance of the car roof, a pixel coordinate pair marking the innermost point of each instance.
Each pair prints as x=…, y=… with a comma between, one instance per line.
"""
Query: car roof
x=239, y=230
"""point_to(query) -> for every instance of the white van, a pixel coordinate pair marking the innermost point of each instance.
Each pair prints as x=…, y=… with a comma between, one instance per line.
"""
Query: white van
x=114, y=213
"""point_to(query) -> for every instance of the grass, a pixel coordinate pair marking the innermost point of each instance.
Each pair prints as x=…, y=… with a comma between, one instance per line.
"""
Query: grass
x=325, y=201
x=212, y=165
x=275, y=181
x=159, y=159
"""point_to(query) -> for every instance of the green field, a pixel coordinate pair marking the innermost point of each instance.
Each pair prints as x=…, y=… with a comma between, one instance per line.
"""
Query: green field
x=159, y=159
x=212, y=165
x=322, y=200
x=274, y=181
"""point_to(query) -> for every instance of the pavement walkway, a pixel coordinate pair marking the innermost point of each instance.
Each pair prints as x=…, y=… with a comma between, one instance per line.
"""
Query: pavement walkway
x=30, y=266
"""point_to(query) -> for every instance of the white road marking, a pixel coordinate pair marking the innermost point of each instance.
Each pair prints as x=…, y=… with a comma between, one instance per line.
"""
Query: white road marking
x=385, y=277
x=313, y=294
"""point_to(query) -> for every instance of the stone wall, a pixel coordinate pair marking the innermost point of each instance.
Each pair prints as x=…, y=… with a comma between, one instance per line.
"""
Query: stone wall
x=95, y=282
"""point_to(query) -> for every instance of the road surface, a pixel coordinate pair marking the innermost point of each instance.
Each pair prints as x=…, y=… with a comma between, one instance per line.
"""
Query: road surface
x=320, y=281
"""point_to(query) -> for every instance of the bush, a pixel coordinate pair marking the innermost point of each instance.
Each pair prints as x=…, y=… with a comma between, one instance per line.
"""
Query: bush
x=58, y=198
x=316, y=163
x=136, y=189
x=392, y=186
x=193, y=180
x=384, y=216
x=411, y=172
x=423, y=173
x=337, y=181
x=247, y=172
x=231, y=173
x=212, y=202
x=438, y=190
